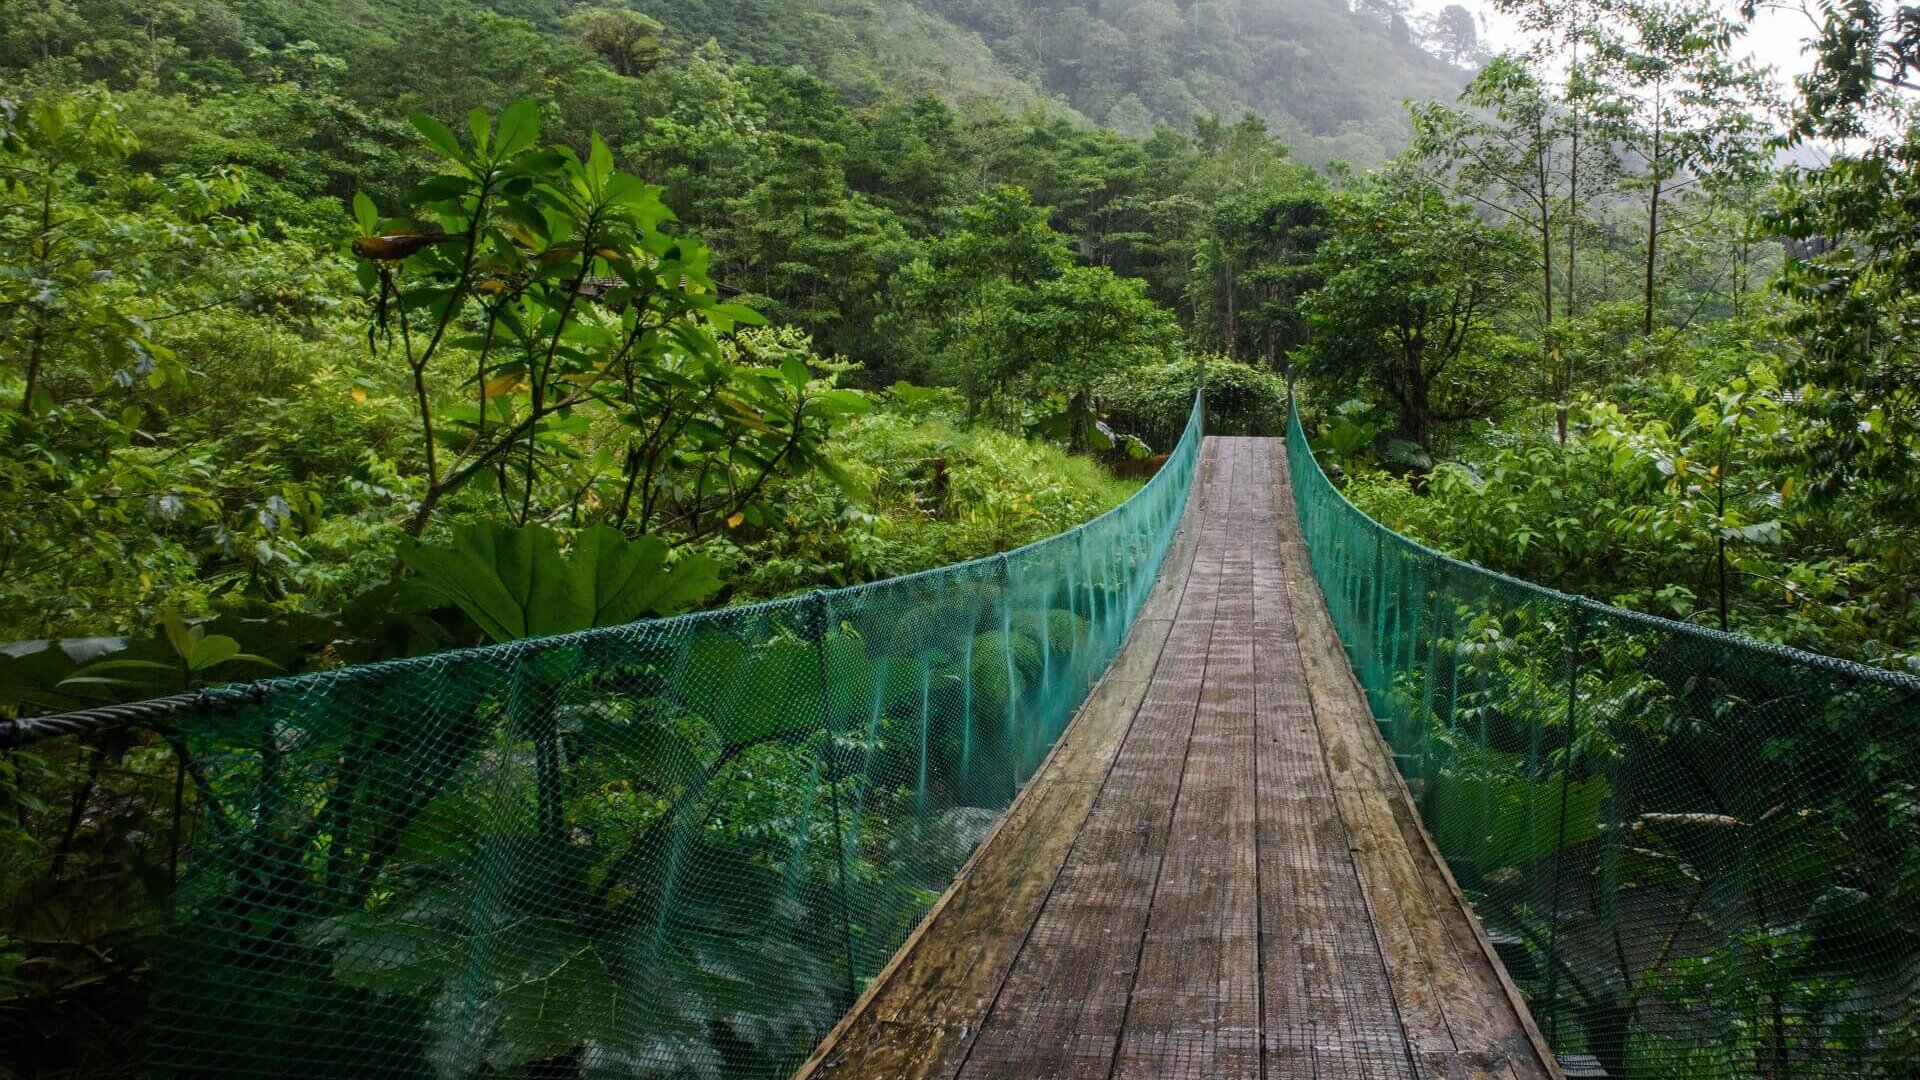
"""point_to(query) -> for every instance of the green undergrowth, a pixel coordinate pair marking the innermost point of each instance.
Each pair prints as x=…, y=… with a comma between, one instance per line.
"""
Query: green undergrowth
x=940, y=492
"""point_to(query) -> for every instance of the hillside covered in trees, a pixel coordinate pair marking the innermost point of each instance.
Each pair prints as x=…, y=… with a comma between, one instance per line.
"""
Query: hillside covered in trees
x=1328, y=78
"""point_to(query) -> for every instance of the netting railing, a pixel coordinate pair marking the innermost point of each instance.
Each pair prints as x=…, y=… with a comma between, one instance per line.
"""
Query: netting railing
x=1698, y=854
x=673, y=848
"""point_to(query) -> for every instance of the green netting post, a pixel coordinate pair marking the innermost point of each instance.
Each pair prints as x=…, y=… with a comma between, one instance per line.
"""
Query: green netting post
x=1411, y=588
x=1576, y=632
x=1429, y=698
x=1016, y=746
x=822, y=620
x=1094, y=639
x=1375, y=676
x=1352, y=593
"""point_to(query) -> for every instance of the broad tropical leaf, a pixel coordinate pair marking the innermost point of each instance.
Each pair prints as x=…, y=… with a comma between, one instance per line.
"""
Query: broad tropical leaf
x=516, y=583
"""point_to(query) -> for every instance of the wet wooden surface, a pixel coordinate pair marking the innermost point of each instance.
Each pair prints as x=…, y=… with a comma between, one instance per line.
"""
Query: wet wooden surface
x=1217, y=873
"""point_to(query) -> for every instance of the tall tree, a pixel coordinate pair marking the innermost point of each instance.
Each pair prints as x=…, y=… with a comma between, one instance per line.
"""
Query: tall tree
x=1507, y=148
x=630, y=43
x=1086, y=325
x=1666, y=92
x=816, y=251
x=961, y=300
x=1562, y=40
x=1412, y=284
x=1852, y=275
x=1257, y=226
x=1456, y=34
x=1252, y=264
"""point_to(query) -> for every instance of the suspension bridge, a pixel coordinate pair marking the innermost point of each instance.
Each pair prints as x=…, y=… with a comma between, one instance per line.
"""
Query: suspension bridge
x=1217, y=873
x=1231, y=781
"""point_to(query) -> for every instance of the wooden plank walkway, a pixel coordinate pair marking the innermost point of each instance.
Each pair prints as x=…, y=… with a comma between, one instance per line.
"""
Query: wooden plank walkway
x=1217, y=872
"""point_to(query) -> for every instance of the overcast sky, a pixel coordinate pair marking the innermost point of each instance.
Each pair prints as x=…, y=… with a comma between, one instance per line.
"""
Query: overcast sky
x=1776, y=38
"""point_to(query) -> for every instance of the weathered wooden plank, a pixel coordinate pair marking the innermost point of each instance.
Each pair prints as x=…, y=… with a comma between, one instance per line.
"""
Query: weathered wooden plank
x=1302, y=1009
x=1341, y=1008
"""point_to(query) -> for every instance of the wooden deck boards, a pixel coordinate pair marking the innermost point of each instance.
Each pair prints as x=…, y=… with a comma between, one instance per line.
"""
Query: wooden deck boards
x=1217, y=872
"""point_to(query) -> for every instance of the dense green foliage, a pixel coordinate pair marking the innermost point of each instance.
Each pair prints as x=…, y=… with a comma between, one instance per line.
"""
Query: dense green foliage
x=1242, y=399
x=219, y=392
x=337, y=330
x=1656, y=418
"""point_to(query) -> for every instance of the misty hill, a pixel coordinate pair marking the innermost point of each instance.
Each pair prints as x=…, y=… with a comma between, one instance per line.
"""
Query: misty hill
x=1329, y=78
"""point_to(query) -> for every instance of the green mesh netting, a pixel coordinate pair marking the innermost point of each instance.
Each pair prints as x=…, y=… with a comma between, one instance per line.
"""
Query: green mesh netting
x=675, y=848
x=1698, y=854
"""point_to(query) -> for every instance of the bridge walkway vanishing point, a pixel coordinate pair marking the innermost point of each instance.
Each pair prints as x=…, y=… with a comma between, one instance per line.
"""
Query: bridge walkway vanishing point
x=1217, y=872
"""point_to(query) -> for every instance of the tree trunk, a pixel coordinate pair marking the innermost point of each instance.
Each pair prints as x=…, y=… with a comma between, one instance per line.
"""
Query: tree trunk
x=1573, y=232
x=1653, y=225
x=1233, y=322
x=1548, y=354
x=42, y=313
x=1417, y=394
x=1720, y=507
x=1573, y=183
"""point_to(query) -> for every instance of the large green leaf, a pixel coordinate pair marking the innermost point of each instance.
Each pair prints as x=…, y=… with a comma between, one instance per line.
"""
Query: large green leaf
x=1495, y=817
x=519, y=129
x=563, y=995
x=516, y=583
x=439, y=136
x=389, y=955
x=631, y=578
x=38, y=674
